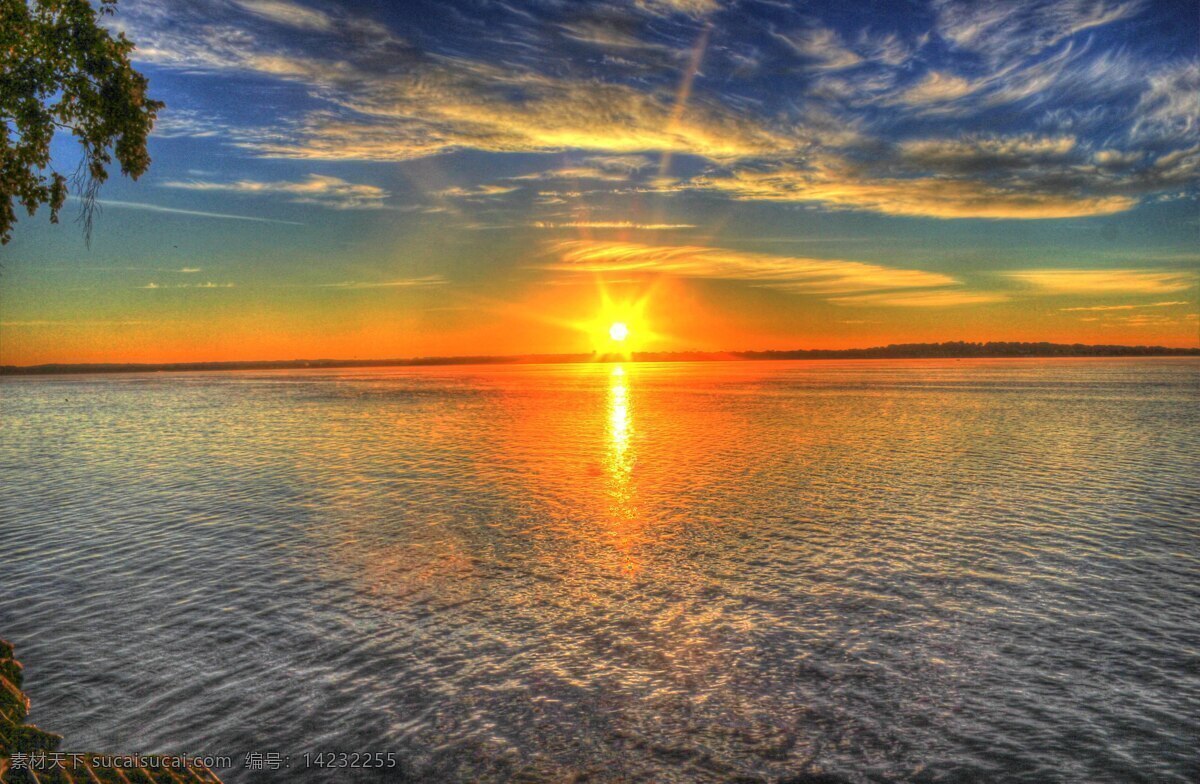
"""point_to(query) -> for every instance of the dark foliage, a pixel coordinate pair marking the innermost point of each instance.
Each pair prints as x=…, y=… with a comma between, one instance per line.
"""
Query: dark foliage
x=60, y=70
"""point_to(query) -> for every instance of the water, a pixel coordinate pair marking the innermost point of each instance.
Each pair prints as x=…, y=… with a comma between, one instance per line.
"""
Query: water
x=823, y=571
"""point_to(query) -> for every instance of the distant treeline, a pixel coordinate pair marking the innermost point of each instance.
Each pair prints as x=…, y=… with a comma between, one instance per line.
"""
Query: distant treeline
x=962, y=350
x=953, y=350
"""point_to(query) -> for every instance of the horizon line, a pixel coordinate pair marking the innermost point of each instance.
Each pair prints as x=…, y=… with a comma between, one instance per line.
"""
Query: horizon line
x=943, y=350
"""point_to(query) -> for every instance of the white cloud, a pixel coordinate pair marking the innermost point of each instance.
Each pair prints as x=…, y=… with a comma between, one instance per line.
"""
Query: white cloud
x=938, y=87
x=322, y=190
x=688, y=7
x=822, y=46
x=206, y=285
x=134, y=205
x=1170, y=107
x=1023, y=27
x=287, y=13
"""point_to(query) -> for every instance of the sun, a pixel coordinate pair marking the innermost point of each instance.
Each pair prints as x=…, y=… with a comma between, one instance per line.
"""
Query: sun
x=618, y=327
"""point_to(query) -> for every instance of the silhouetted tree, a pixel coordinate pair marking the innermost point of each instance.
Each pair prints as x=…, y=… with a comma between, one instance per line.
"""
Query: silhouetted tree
x=60, y=70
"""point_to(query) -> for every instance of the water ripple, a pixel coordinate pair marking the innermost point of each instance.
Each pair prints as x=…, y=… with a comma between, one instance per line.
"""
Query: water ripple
x=808, y=572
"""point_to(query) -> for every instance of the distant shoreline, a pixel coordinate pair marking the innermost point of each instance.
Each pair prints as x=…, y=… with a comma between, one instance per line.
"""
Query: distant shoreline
x=951, y=350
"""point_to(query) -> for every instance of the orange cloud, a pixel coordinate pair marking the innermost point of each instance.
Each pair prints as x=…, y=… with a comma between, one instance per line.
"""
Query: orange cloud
x=1173, y=303
x=808, y=275
x=922, y=299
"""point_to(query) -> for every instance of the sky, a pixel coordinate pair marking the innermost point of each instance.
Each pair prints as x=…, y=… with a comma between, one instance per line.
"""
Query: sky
x=394, y=179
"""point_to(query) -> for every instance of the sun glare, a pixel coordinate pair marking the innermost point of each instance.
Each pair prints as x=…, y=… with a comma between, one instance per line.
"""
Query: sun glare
x=619, y=327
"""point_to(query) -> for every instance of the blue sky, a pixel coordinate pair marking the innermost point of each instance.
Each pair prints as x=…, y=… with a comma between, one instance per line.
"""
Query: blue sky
x=370, y=178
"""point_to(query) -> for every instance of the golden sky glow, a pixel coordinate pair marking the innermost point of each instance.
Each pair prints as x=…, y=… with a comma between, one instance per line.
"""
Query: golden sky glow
x=414, y=180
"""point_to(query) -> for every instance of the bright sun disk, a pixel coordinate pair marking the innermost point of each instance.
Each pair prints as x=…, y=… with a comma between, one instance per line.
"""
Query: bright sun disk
x=618, y=331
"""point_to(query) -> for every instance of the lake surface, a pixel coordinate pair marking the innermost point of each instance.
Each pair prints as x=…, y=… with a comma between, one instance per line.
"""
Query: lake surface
x=782, y=571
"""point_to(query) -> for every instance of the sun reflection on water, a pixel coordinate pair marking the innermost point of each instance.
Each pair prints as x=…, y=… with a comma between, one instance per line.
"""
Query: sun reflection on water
x=619, y=464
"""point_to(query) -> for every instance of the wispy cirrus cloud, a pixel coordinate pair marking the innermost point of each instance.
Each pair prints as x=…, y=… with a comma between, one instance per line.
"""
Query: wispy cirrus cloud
x=602, y=33
x=456, y=111
x=822, y=47
x=475, y=191
x=576, y=173
x=975, y=154
x=287, y=13
x=153, y=286
x=937, y=87
x=917, y=196
x=325, y=191
x=137, y=205
x=622, y=164
x=943, y=298
x=688, y=7
x=611, y=225
x=1151, y=320
x=1105, y=281
x=1170, y=108
x=1064, y=76
x=401, y=283
x=1022, y=176
x=181, y=122
x=1171, y=304
x=435, y=104
x=798, y=274
x=610, y=168
x=379, y=97
x=1023, y=27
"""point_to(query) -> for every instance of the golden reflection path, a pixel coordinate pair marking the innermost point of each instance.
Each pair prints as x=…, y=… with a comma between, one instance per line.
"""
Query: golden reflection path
x=619, y=463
